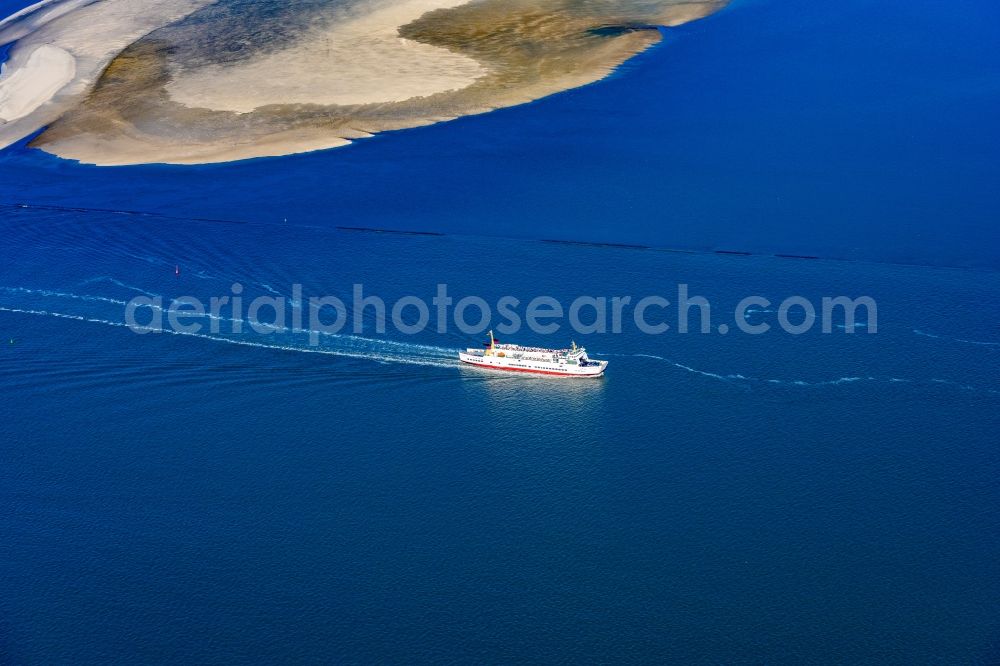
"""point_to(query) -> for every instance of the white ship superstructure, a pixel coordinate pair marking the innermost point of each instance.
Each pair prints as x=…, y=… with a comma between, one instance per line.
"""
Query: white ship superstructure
x=572, y=362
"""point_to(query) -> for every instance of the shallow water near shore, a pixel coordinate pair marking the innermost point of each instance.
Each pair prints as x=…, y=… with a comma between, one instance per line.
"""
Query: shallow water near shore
x=861, y=146
x=214, y=497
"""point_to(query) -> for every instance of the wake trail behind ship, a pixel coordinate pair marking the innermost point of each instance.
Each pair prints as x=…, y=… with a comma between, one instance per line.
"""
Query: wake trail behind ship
x=382, y=351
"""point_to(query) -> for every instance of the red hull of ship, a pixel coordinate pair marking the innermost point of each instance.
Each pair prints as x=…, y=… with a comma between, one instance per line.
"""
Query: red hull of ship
x=537, y=372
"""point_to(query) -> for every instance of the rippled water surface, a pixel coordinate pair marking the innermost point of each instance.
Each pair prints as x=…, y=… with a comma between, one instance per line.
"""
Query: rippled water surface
x=209, y=497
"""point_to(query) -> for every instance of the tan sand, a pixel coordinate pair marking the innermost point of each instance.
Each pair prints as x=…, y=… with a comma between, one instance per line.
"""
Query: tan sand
x=61, y=48
x=169, y=97
x=44, y=71
x=361, y=60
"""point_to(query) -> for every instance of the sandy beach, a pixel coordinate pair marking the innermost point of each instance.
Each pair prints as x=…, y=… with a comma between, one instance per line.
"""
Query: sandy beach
x=43, y=73
x=201, y=82
x=60, y=49
x=373, y=65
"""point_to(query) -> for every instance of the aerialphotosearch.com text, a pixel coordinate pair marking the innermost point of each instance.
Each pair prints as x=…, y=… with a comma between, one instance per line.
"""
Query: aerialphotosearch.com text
x=367, y=312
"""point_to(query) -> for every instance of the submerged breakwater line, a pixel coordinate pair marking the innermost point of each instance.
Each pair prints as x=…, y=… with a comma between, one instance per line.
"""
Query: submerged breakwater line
x=735, y=254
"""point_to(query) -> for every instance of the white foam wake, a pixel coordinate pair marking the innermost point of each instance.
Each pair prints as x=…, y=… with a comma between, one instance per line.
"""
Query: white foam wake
x=62, y=294
x=382, y=358
x=119, y=283
x=744, y=381
x=726, y=378
x=239, y=323
x=981, y=343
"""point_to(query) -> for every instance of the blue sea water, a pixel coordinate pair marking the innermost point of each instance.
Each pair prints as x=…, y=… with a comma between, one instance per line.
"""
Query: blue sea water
x=853, y=128
x=715, y=498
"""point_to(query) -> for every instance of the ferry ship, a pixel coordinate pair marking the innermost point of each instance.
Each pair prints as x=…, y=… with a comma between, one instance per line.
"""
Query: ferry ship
x=572, y=362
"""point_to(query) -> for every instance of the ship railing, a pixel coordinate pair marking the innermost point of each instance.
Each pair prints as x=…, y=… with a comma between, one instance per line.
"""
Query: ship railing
x=537, y=350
